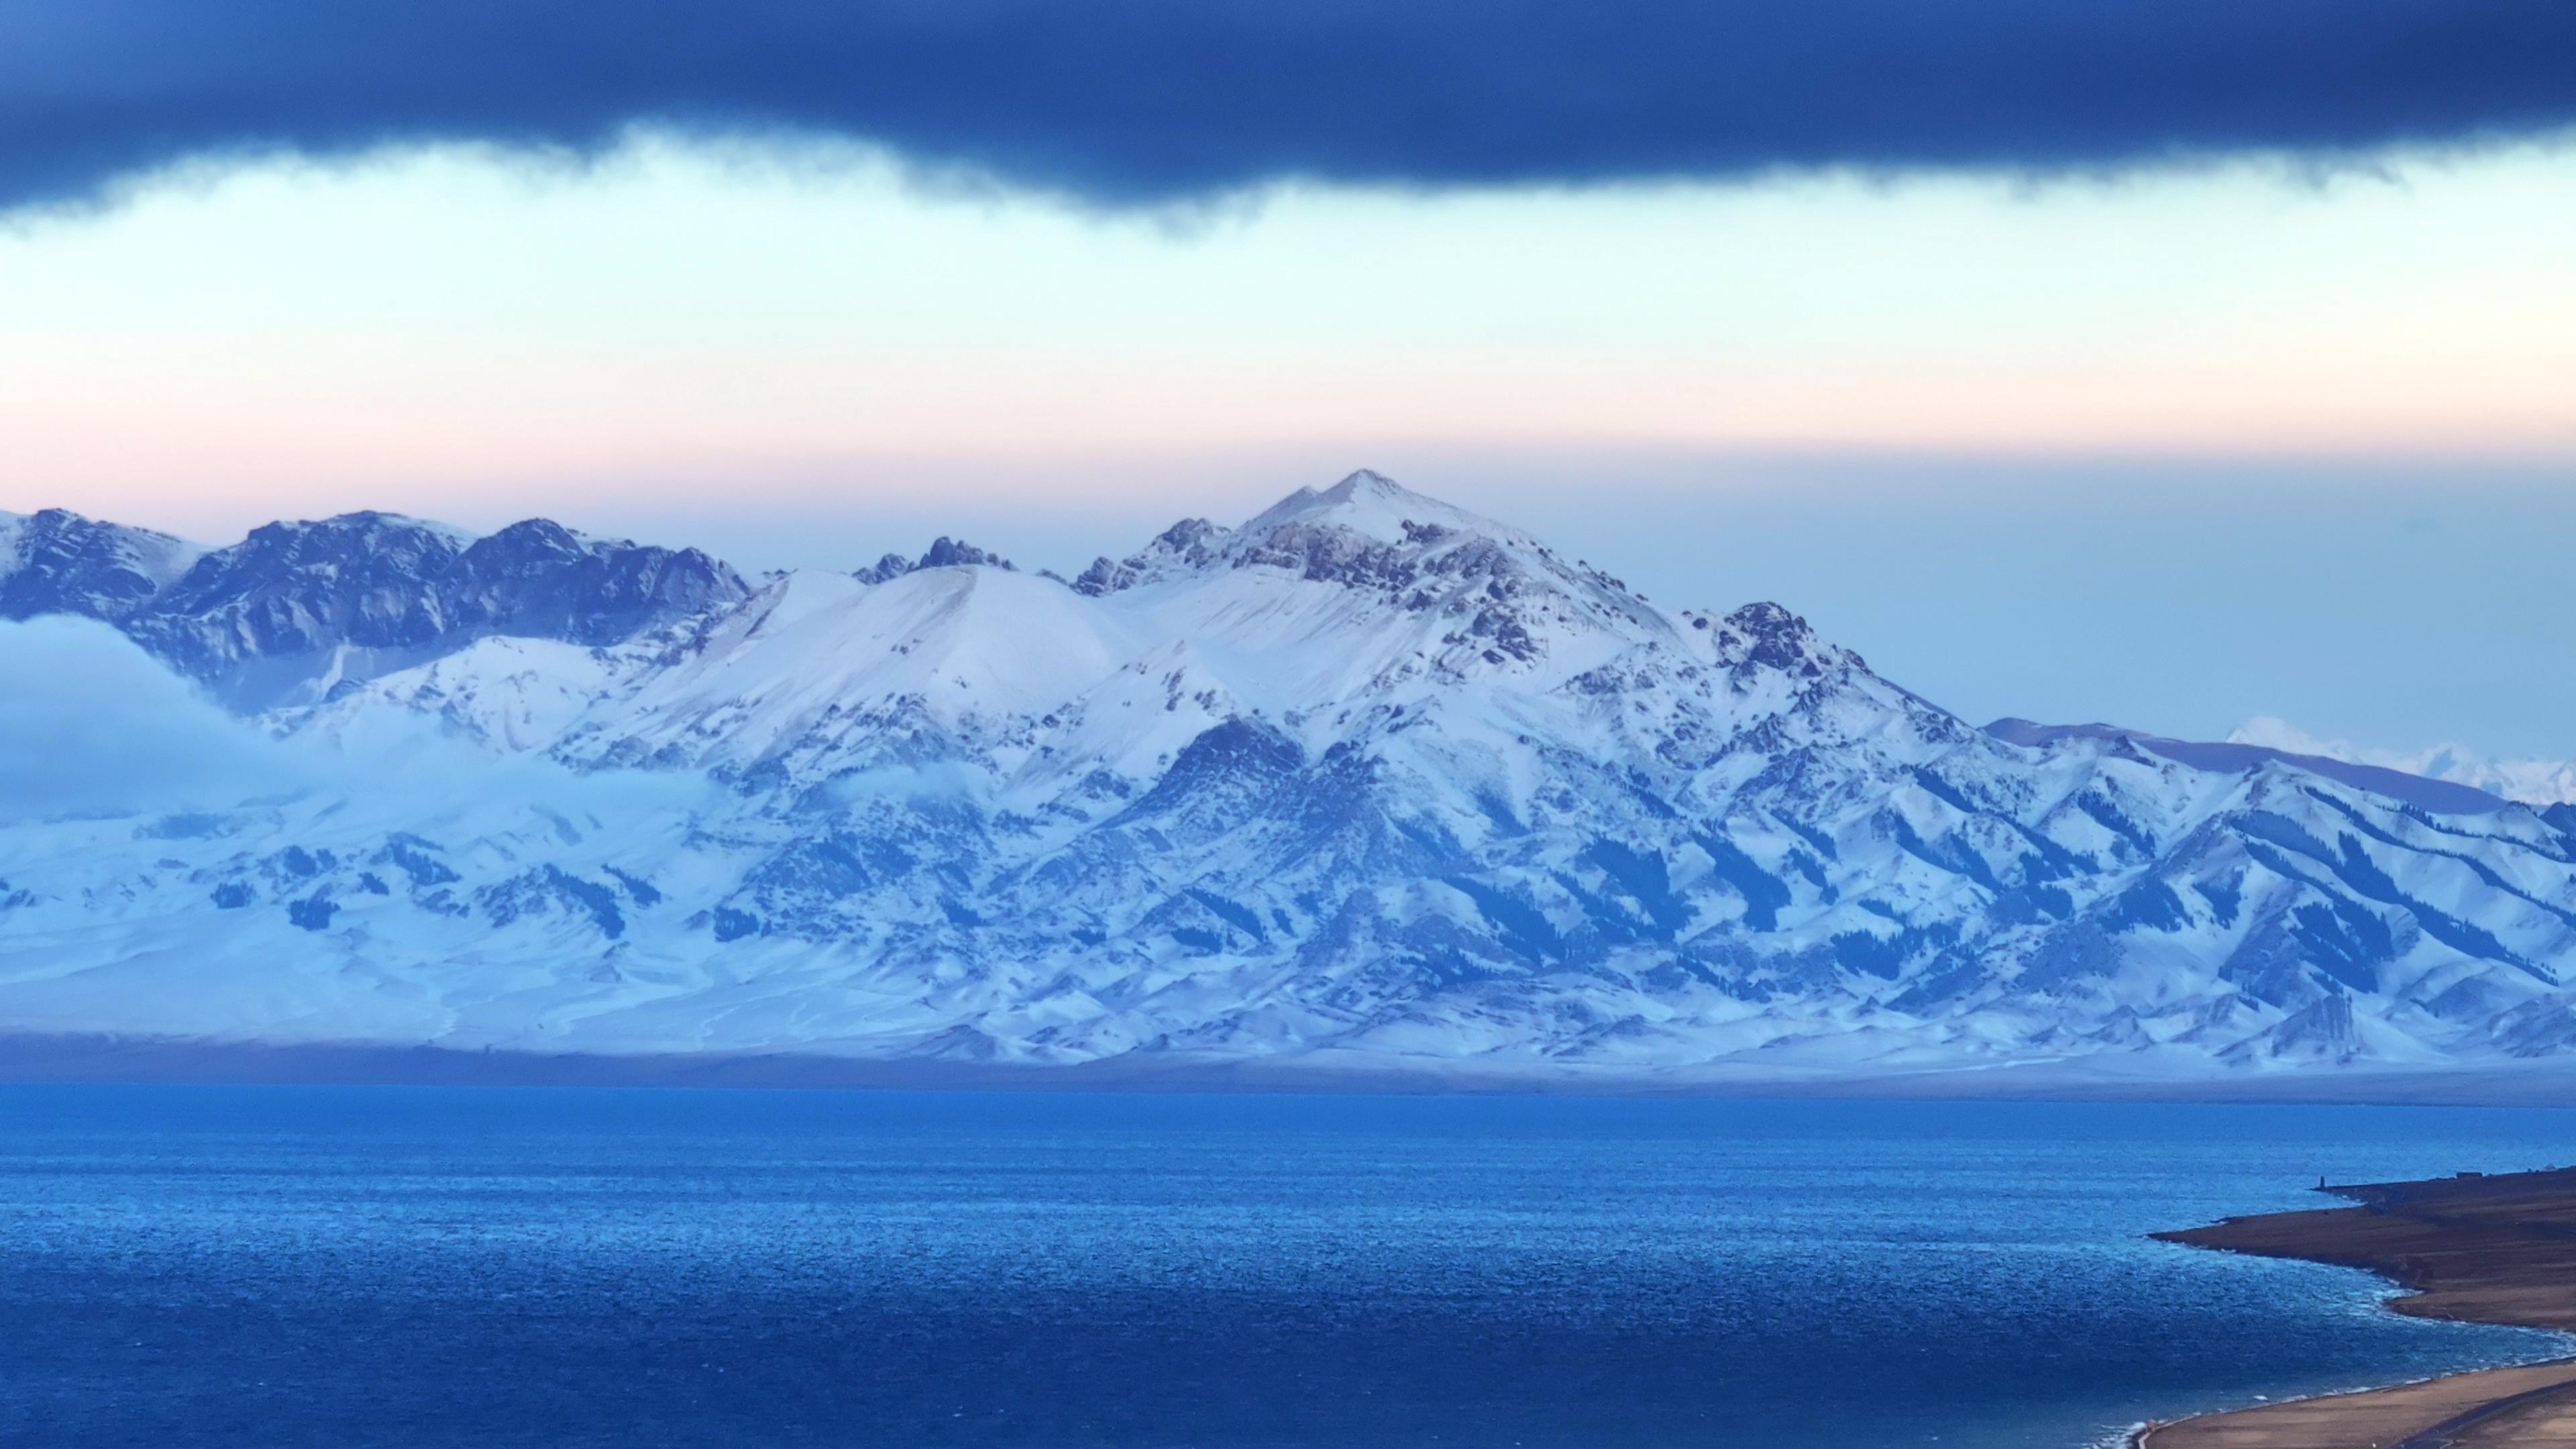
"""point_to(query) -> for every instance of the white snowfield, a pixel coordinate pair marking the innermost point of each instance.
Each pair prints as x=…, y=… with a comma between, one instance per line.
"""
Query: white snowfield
x=2533, y=782
x=1368, y=785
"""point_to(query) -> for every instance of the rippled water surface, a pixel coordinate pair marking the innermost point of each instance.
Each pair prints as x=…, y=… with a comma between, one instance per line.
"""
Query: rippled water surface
x=404, y=1266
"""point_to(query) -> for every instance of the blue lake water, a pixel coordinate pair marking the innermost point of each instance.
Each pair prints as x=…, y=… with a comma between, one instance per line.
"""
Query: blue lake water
x=429, y=1267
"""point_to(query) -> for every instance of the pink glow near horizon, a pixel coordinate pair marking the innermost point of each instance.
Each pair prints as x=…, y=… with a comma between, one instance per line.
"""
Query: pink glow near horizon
x=432, y=334
x=651, y=437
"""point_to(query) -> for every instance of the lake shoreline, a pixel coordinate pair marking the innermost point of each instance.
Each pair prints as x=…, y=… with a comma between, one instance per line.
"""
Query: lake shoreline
x=2471, y=1248
x=31, y=1057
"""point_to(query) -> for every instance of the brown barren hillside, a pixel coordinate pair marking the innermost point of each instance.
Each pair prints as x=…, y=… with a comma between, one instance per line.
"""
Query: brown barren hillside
x=2475, y=1248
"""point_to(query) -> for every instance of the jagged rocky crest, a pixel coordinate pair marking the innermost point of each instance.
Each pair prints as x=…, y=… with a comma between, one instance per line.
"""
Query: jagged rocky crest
x=296, y=610
x=58, y=562
x=1366, y=781
x=944, y=553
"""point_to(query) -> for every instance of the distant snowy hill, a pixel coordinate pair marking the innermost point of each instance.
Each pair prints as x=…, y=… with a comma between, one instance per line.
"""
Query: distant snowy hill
x=2533, y=782
x=1367, y=783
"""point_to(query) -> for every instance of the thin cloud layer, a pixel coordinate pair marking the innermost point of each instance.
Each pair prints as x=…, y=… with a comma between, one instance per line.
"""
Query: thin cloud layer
x=91, y=725
x=1145, y=101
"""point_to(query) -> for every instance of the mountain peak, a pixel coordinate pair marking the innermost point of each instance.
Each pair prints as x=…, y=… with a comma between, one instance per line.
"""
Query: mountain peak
x=1365, y=513
x=58, y=561
x=1371, y=504
x=1366, y=483
x=944, y=553
x=368, y=521
x=542, y=535
x=1192, y=543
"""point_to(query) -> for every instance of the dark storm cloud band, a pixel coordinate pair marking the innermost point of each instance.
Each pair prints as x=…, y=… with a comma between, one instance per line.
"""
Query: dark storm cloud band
x=1143, y=100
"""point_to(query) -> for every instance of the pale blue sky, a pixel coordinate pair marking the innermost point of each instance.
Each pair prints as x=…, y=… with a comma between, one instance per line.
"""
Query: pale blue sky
x=2169, y=449
x=2401, y=604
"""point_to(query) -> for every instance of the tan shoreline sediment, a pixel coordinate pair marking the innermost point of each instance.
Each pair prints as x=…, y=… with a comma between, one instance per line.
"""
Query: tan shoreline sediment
x=2476, y=1405
x=2473, y=1249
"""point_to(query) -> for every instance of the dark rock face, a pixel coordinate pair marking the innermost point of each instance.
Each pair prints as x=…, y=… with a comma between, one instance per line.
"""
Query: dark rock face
x=363, y=579
x=62, y=563
x=1192, y=543
x=368, y=589
x=1776, y=638
x=1322, y=553
x=943, y=553
x=540, y=580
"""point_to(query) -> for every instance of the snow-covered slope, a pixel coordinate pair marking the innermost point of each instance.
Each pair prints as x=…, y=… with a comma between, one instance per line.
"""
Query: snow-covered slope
x=2533, y=782
x=2444, y=797
x=1365, y=781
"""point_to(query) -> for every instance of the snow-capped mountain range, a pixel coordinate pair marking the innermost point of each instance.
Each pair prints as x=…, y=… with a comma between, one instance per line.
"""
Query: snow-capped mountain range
x=2534, y=782
x=1367, y=782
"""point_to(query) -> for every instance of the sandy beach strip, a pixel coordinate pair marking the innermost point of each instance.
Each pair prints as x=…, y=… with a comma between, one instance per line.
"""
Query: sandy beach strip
x=2378, y=1418
x=2478, y=1249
